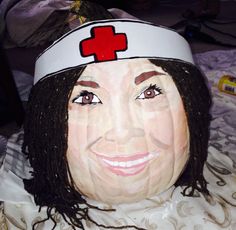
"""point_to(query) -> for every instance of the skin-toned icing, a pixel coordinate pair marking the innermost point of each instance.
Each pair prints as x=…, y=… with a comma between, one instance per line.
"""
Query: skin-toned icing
x=127, y=131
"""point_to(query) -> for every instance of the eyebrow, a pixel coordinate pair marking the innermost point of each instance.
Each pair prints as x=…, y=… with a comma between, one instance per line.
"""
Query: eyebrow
x=91, y=84
x=146, y=75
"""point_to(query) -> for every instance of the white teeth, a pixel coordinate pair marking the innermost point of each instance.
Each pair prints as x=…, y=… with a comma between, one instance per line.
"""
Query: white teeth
x=116, y=163
x=122, y=164
x=127, y=164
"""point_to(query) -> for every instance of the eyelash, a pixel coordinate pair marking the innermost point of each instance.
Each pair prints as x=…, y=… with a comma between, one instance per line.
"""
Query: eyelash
x=151, y=87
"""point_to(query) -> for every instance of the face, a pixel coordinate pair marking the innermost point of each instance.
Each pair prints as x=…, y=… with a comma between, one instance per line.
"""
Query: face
x=128, y=134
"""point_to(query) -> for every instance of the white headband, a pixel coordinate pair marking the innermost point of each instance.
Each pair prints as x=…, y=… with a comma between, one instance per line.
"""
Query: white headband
x=108, y=40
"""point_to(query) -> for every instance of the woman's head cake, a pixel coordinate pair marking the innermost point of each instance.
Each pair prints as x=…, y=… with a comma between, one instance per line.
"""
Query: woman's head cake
x=118, y=113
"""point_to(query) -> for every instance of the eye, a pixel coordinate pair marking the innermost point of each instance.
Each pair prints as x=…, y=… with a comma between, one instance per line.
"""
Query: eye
x=87, y=98
x=149, y=93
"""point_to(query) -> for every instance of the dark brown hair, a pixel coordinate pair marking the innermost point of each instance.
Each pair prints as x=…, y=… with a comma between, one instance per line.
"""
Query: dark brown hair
x=45, y=141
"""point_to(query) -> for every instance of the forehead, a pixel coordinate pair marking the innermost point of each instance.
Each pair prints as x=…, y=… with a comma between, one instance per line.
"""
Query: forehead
x=118, y=71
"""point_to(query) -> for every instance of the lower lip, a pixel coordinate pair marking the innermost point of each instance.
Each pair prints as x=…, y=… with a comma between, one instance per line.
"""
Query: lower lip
x=125, y=171
x=129, y=171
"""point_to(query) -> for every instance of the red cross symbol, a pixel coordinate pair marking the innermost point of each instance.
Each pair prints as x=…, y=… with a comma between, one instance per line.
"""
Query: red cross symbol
x=103, y=43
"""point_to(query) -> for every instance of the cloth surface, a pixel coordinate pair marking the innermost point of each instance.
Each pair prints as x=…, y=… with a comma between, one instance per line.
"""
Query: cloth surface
x=15, y=161
x=216, y=64
x=25, y=17
x=169, y=210
x=34, y=23
x=3, y=146
x=24, y=83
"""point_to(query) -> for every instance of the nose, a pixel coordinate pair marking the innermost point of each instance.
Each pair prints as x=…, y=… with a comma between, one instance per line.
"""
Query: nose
x=122, y=124
x=123, y=134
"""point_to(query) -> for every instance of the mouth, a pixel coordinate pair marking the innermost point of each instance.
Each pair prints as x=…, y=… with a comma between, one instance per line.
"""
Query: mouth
x=127, y=166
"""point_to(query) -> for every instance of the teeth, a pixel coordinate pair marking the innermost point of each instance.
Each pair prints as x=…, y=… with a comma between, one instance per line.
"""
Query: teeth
x=127, y=164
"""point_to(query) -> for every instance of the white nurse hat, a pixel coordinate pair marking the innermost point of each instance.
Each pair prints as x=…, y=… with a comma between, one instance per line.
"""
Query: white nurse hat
x=108, y=40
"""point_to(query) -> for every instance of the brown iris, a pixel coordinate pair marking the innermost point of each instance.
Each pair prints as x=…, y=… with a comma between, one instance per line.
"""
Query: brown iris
x=149, y=93
x=87, y=99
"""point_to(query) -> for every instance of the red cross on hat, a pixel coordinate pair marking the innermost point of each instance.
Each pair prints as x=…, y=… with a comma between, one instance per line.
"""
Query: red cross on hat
x=103, y=43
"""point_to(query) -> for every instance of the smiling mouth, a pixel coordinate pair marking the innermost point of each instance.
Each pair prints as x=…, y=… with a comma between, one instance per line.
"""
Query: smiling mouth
x=126, y=166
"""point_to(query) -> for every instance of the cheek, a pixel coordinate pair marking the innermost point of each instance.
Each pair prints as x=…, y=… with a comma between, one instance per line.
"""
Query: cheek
x=78, y=151
x=79, y=136
x=82, y=128
x=181, y=135
x=160, y=126
x=75, y=148
x=77, y=139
